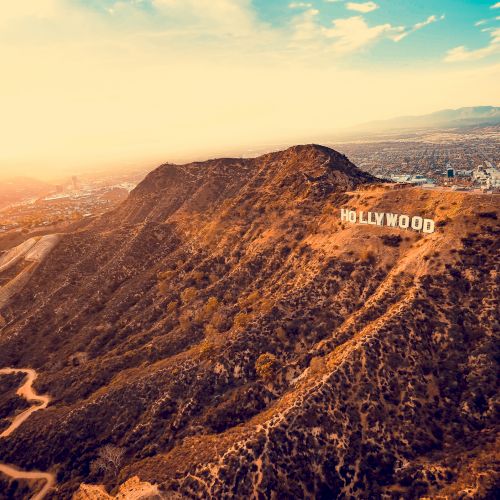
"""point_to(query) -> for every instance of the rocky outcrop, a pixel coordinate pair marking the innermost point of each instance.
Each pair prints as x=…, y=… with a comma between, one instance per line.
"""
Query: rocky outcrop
x=132, y=489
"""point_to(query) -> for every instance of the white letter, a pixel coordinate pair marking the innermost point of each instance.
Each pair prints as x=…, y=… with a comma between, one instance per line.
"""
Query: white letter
x=361, y=220
x=404, y=221
x=379, y=217
x=352, y=216
x=344, y=214
x=370, y=220
x=417, y=223
x=428, y=226
x=392, y=219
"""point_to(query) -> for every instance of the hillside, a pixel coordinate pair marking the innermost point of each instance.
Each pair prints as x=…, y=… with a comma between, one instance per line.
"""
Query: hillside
x=233, y=338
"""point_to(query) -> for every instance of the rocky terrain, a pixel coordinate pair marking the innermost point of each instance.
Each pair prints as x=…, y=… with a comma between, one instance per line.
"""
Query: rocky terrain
x=223, y=334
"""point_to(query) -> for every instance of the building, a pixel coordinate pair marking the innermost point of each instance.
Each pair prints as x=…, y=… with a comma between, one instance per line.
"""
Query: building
x=412, y=179
x=487, y=176
x=75, y=182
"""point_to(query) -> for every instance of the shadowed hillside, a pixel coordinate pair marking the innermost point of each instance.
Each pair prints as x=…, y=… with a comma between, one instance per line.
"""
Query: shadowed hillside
x=233, y=338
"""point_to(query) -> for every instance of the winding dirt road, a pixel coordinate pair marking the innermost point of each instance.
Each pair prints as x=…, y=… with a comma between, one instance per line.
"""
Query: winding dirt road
x=41, y=402
x=49, y=478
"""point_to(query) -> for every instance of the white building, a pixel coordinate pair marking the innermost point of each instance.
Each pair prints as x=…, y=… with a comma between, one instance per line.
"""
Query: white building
x=487, y=176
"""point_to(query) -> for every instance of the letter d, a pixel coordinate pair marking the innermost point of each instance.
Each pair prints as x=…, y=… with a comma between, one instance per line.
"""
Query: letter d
x=428, y=226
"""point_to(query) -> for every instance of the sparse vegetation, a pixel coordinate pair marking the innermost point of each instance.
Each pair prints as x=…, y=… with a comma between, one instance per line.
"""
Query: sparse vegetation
x=368, y=256
x=488, y=215
x=391, y=240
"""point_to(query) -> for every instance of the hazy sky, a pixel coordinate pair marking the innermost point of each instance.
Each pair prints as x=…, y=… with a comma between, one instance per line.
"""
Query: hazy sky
x=92, y=83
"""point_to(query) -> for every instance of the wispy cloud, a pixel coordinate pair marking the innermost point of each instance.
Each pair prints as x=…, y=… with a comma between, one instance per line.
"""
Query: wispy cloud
x=300, y=5
x=362, y=7
x=495, y=6
x=347, y=35
x=462, y=53
x=234, y=17
x=418, y=26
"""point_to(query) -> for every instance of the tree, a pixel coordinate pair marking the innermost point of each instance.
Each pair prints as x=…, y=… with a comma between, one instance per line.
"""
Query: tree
x=188, y=295
x=167, y=275
x=172, y=306
x=281, y=334
x=249, y=299
x=241, y=320
x=163, y=287
x=211, y=306
x=266, y=366
x=109, y=460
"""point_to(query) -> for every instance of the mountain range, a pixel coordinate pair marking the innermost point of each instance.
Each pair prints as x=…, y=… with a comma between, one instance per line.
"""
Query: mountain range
x=467, y=117
x=223, y=333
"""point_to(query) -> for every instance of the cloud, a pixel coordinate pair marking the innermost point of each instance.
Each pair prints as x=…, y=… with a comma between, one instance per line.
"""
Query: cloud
x=235, y=17
x=418, y=26
x=300, y=5
x=353, y=33
x=429, y=20
x=363, y=7
x=461, y=53
x=480, y=22
x=495, y=6
x=305, y=26
x=347, y=35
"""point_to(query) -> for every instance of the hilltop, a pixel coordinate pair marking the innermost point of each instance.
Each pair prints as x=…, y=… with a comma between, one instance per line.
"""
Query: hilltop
x=233, y=338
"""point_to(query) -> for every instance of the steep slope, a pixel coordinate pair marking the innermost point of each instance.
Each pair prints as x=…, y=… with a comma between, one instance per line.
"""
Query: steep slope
x=234, y=338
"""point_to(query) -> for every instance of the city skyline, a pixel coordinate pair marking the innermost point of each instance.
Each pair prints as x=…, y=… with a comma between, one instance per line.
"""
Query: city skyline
x=109, y=83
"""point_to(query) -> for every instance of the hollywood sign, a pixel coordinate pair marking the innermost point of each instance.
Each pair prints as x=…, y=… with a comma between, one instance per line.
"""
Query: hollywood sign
x=387, y=219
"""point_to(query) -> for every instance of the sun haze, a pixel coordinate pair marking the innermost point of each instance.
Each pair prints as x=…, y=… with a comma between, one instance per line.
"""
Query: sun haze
x=90, y=84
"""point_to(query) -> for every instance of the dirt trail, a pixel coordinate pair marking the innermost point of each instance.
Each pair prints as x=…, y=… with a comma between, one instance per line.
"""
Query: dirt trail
x=27, y=392
x=33, y=475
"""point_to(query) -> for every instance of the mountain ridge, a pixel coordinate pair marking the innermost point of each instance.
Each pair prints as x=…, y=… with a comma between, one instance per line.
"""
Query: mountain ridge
x=464, y=117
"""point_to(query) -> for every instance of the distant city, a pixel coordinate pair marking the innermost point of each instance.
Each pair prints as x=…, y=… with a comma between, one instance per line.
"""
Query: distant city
x=446, y=159
x=440, y=159
x=52, y=207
